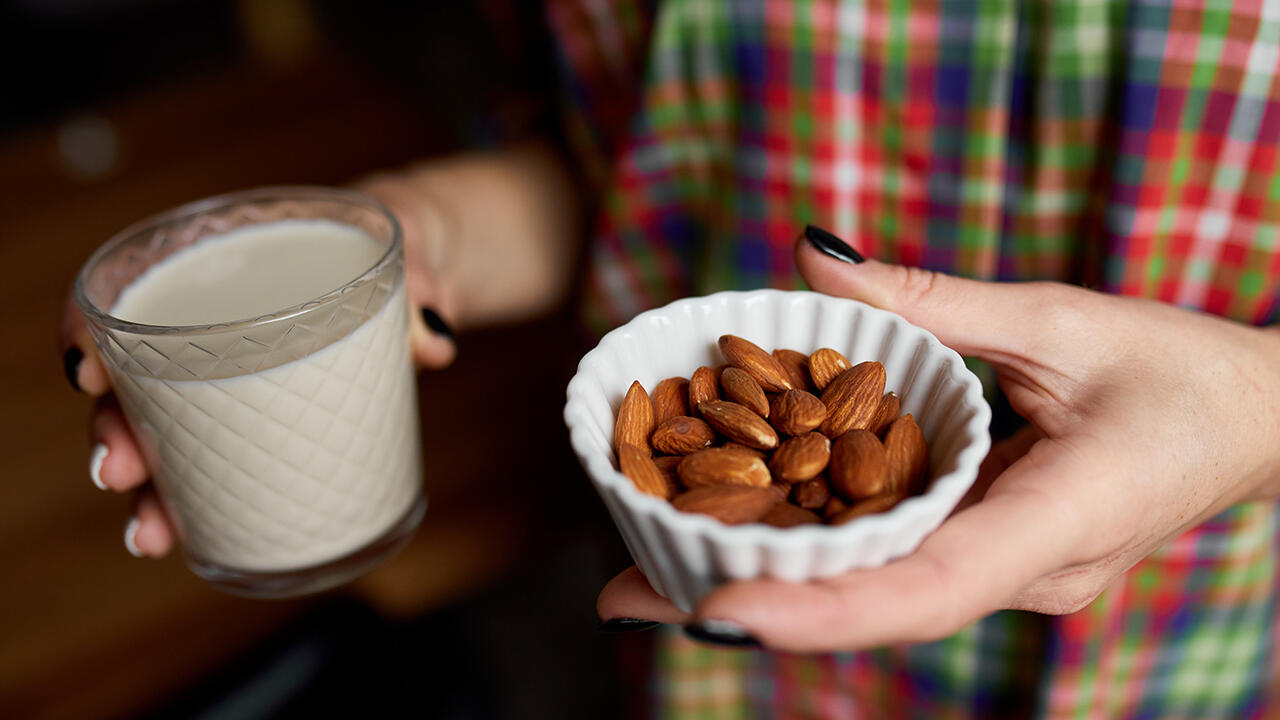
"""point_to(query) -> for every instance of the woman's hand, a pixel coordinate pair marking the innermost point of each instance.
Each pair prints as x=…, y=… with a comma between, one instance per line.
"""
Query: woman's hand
x=1145, y=420
x=489, y=237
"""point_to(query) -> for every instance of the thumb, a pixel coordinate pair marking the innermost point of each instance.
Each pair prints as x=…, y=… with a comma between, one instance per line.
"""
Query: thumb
x=982, y=319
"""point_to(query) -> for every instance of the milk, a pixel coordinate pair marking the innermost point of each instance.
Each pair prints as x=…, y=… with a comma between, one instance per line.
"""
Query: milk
x=294, y=465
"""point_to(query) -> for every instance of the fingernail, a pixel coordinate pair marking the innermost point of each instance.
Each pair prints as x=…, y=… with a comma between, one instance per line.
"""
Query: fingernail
x=436, y=323
x=71, y=366
x=96, y=456
x=721, y=632
x=831, y=245
x=130, y=532
x=623, y=624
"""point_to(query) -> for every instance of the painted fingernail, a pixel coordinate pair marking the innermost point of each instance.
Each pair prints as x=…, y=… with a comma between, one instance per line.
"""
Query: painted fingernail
x=831, y=245
x=96, y=456
x=623, y=624
x=130, y=533
x=721, y=632
x=71, y=366
x=436, y=323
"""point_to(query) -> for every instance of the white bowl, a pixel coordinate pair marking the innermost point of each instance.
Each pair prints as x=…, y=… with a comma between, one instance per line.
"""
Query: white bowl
x=685, y=555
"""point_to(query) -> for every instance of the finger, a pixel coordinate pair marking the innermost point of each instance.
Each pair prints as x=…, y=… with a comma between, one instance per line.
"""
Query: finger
x=629, y=596
x=431, y=318
x=974, y=564
x=431, y=338
x=433, y=310
x=149, y=532
x=115, y=463
x=80, y=361
x=983, y=319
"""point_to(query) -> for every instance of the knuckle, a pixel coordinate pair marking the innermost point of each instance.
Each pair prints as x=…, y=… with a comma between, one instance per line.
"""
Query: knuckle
x=917, y=284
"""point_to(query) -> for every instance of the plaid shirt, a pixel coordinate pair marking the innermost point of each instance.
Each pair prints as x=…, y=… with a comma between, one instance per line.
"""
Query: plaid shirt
x=1129, y=146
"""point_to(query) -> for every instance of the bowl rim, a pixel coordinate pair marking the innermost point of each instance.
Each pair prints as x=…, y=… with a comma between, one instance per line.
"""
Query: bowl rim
x=605, y=476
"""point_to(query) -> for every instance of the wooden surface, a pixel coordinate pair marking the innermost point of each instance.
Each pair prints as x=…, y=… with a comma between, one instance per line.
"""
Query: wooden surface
x=87, y=630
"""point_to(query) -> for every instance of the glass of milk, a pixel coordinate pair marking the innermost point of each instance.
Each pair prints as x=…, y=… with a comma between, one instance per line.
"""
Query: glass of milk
x=258, y=343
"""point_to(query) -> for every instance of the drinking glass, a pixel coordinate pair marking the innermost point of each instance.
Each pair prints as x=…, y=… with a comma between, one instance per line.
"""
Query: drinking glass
x=285, y=447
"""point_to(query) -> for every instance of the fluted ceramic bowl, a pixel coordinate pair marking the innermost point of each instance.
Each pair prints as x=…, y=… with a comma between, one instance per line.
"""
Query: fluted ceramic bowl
x=686, y=555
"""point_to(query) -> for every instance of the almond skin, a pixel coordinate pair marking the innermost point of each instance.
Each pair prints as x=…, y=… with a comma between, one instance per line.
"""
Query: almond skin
x=704, y=386
x=796, y=365
x=682, y=435
x=746, y=355
x=782, y=489
x=824, y=365
x=739, y=424
x=668, y=464
x=741, y=388
x=859, y=467
x=907, y=455
x=801, y=458
x=852, y=399
x=670, y=399
x=717, y=466
x=730, y=504
x=811, y=494
x=872, y=505
x=834, y=507
x=635, y=419
x=640, y=468
x=796, y=412
x=731, y=445
x=885, y=414
x=785, y=515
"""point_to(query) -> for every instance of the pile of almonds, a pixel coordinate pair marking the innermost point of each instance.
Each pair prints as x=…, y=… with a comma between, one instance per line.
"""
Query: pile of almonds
x=783, y=439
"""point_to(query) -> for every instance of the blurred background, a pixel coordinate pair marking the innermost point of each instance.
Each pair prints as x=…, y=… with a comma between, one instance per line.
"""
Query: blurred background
x=115, y=109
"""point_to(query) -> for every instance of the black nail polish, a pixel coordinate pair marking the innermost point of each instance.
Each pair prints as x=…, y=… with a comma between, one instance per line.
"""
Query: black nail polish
x=721, y=632
x=71, y=366
x=436, y=323
x=620, y=625
x=831, y=245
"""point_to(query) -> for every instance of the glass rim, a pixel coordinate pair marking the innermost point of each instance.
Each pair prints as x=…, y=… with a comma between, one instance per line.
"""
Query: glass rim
x=94, y=314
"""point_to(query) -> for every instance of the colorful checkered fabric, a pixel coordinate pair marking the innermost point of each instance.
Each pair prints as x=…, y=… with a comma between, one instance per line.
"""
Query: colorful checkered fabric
x=1130, y=146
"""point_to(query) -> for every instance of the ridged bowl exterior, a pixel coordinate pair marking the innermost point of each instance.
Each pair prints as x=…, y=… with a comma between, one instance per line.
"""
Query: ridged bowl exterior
x=684, y=555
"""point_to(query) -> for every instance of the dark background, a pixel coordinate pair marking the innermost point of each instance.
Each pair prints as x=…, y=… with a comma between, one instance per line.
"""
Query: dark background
x=114, y=110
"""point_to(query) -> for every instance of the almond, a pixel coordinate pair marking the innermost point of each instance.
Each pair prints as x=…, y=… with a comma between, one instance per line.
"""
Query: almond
x=785, y=515
x=741, y=388
x=670, y=399
x=834, y=507
x=872, y=505
x=739, y=447
x=796, y=412
x=885, y=414
x=682, y=435
x=852, y=399
x=782, y=489
x=859, y=467
x=635, y=419
x=801, y=458
x=730, y=504
x=796, y=365
x=765, y=368
x=907, y=456
x=824, y=365
x=739, y=424
x=811, y=494
x=704, y=386
x=640, y=468
x=668, y=464
x=717, y=466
